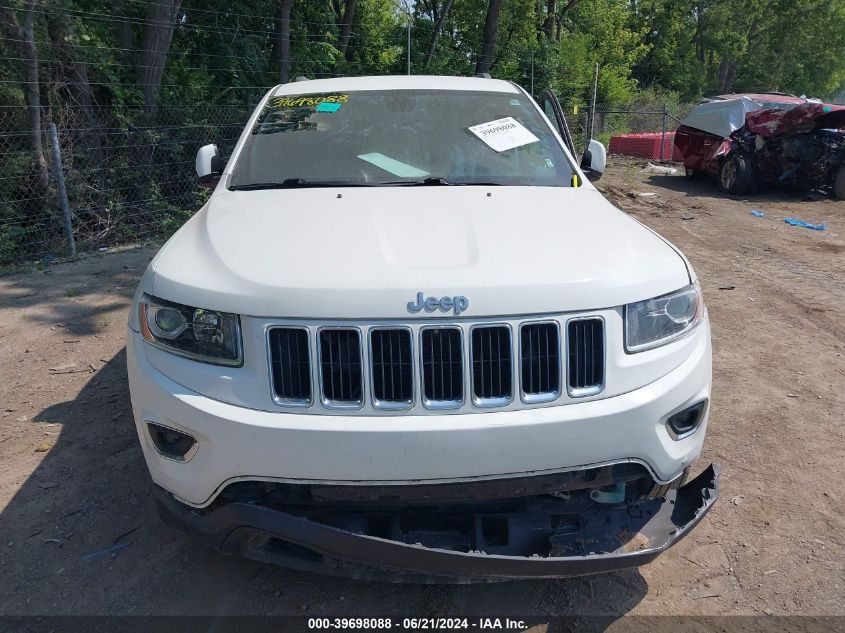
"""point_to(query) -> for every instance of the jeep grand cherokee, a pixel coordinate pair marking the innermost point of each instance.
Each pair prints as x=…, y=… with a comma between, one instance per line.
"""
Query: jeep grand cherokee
x=406, y=338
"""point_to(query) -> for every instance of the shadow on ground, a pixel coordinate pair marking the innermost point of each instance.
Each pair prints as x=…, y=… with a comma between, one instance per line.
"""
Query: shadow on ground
x=82, y=536
x=79, y=296
x=702, y=187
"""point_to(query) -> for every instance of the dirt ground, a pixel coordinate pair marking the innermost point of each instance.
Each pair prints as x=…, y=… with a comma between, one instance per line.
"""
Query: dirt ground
x=73, y=480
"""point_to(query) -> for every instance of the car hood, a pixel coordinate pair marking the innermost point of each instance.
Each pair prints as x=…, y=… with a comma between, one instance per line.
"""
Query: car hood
x=367, y=252
x=723, y=118
x=803, y=118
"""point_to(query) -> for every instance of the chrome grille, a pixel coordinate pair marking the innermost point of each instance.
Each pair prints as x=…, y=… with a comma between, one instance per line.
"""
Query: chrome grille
x=426, y=366
x=586, y=357
x=540, y=361
x=442, y=367
x=492, y=366
x=392, y=368
x=340, y=367
x=290, y=360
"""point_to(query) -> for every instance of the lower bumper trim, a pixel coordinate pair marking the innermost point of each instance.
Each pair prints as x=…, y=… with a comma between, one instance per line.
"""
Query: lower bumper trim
x=277, y=537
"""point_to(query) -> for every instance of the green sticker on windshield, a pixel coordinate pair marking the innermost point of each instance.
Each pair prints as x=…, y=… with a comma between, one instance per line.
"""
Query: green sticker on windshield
x=393, y=166
x=328, y=107
x=289, y=113
x=299, y=101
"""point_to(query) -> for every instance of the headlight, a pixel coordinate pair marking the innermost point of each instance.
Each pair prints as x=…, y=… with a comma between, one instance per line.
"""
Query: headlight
x=204, y=335
x=658, y=321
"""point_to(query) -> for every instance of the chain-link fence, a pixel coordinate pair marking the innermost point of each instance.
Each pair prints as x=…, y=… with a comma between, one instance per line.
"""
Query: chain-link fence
x=646, y=132
x=127, y=180
x=124, y=181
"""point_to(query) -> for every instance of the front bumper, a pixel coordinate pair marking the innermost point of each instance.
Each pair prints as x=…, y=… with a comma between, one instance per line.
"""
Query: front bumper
x=238, y=443
x=610, y=537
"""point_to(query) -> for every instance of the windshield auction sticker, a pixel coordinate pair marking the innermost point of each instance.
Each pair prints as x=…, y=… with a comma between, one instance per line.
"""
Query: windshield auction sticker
x=503, y=134
x=290, y=113
x=298, y=101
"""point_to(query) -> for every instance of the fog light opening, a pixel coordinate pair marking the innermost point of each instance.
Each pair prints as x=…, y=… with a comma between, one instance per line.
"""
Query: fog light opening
x=171, y=443
x=684, y=423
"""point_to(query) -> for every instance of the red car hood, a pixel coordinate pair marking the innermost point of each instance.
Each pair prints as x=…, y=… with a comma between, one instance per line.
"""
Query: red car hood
x=803, y=118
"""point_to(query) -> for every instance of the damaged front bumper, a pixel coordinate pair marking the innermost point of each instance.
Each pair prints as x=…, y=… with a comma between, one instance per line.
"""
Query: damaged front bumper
x=563, y=534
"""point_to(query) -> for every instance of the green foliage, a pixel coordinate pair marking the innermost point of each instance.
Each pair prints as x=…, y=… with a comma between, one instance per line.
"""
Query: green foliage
x=700, y=47
x=130, y=172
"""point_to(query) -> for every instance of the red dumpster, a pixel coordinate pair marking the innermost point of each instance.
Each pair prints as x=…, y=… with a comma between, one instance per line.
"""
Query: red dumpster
x=645, y=145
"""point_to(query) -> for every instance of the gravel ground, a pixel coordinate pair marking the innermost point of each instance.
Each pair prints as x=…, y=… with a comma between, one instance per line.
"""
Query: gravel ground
x=73, y=480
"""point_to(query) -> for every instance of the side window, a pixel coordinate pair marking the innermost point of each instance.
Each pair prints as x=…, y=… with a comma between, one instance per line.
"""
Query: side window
x=550, y=113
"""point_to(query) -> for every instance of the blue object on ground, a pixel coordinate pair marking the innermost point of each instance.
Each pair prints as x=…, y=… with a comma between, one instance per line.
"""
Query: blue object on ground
x=816, y=227
x=105, y=552
x=757, y=213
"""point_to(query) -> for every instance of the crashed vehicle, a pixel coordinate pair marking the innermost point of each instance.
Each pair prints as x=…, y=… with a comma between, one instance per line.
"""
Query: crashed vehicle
x=407, y=339
x=752, y=140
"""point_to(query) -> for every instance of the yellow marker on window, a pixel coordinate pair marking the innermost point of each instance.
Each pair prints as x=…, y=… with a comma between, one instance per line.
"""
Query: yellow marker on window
x=575, y=182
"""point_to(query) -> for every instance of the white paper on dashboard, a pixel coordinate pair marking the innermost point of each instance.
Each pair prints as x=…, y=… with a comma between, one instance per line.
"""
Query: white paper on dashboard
x=503, y=134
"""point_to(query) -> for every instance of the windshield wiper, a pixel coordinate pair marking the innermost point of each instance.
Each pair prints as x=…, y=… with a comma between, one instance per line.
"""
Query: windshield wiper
x=439, y=181
x=418, y=183
x=302, y=183
x=297, y=183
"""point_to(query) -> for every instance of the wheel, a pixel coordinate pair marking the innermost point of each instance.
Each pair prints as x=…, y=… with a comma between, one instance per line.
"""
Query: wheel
x=690, y=173
x=839, y=183
x=735, y=175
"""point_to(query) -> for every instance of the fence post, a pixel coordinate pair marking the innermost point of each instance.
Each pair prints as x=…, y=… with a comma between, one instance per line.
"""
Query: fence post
x=663, y=135
x=60, y=185
x=592, y=113
x=408, y=48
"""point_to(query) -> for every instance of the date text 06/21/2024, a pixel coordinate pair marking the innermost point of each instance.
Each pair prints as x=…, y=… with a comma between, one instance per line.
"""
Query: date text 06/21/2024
x=416, y=624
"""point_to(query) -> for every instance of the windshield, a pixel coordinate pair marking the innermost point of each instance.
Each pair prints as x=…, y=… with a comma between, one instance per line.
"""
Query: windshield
x=400, y=137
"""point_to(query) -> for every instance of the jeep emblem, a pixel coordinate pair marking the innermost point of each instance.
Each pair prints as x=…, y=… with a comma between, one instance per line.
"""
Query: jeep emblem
x=457, y=304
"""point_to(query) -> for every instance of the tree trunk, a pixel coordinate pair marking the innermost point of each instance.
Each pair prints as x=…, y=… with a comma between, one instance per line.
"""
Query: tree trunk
x=549, y=24
x=158, y=34
x=73, y=74
x=491, y=34
x=346, y=26
x=71, y=77
x=438, y=26
x=25, y=36
x=284, y=40
x=727, y=74
x=124, y=30
x=552, y=26
x=503, y=47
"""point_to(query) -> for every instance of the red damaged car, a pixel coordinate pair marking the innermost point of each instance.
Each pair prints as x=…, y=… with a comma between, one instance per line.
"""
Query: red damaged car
x=749, y=140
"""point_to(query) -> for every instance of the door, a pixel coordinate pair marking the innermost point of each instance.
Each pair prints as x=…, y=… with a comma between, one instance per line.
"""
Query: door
x=551, y=106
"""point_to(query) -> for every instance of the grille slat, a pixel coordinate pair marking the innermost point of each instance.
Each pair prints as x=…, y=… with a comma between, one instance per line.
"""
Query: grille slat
x=394, y=373
x=540, y=356
x=340, y=367
x=492, y=366
x=586, y=356
x=291, y=365
x=392, y=370
x=442, y=359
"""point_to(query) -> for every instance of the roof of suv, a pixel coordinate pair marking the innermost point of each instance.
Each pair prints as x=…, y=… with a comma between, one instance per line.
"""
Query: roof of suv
x=772, y=97
x=395, y=82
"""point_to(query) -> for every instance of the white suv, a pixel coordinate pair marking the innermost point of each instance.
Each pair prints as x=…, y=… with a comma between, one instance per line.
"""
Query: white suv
x=406, y=339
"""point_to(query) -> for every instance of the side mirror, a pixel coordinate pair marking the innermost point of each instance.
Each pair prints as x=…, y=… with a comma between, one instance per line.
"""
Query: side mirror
x=209, y=165
x=594, y=161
